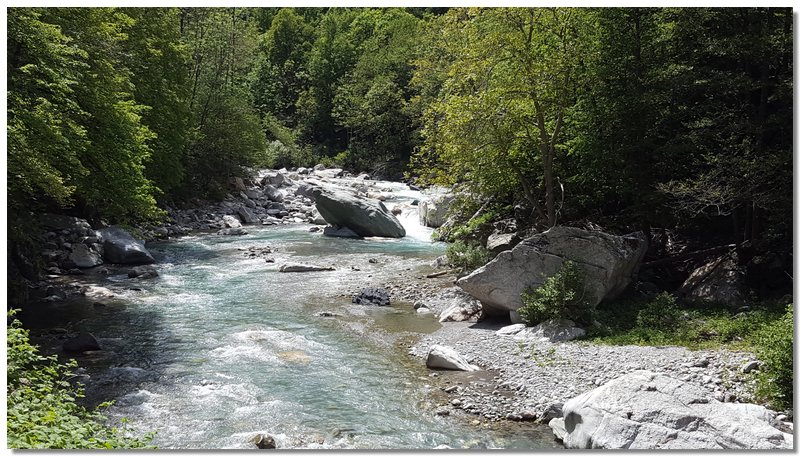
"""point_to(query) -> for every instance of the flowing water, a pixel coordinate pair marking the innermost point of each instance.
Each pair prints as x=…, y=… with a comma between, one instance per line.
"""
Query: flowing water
x=221, y=346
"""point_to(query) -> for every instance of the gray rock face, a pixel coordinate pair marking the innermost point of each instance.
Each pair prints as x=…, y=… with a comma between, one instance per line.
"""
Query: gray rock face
x=608, y=264
x=719, y=280
x=365, y=217
x=298, y=267
x=442, y=357
x=83, y=257
x=246, y=215
x=644, y=410
x=433, y=213
x=119, y=247
x=372, y=297
x=552, y=331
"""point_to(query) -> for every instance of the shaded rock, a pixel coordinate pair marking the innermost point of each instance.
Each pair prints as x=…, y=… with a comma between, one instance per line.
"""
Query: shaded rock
x=372, y=297
x=750, y=367
x=64, y=222
x=232, y=232
x=246, y=216
x=143, y=272
x=720, y=280
x=231, y=221
x=274, y=179
x=81, y=343
x=644, y=410
x=364, y=216
x=237, y=183
x=273, y=194
x=500, y=242
x=607, y=262
x=83, y=257
x=341, y=231
x=510, y=329
x=119, y=247
x=552, y=331
x=433, y=213
x=443, y=357
x=298, y=267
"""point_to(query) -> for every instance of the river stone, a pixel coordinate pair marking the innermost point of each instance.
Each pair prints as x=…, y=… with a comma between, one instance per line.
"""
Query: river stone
x=246, y=215
x=362, y=215
x=119, y=247
x=83, y=257
x=372, y=297
x=273, y=194
x=264, y=442
x=558, y=330
x=298, y=267
x=608, y=264
x=231, y=221
x=646, y=410
x=232, y=231
x=143, y=272
x=510, y=329
x=461, y=311
x=340, y=231
x=442, y=357
x=81, y=343
x=433, y=213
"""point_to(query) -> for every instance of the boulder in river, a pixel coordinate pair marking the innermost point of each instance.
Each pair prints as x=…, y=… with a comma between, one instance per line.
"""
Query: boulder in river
x=340, y=231
x=143, y=272
x=83, y=257
x=372, y=297
x=231, y=222
x=364, y=216
x=264, y=442
x=119, y=247
x=644, y=410
x=81, y=343
x=442, y=357
x=608, y=264
x=298, y=267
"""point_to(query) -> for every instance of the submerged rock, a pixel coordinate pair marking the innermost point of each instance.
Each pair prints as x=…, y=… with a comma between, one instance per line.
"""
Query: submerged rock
x=143, y=272
x=340, y=231
x=298, y=267
x=81, y=343
x=645, y=410
x=232, y=232
x=264, y=442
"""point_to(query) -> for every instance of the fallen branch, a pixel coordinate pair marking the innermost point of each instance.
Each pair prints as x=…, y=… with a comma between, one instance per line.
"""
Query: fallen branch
x=433, y=275
x=687, y=255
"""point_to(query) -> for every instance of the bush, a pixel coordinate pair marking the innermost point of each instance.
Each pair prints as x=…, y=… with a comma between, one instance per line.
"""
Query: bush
x=467, y=256
x=774, y=345
x=561, y=296
x=660, y=313
x=42, y=412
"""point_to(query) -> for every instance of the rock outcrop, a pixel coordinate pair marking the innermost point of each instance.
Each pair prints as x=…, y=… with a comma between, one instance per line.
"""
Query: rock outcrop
x=364, y=216
x=84, y=257
x=433, y=213
x=119, y=247
x=643, y=410
x=608, y=264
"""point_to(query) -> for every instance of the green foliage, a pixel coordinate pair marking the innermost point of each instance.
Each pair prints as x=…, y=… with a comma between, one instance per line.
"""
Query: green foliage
x=661, y=313
x=561, y=296
x=467, y=256
x=42, y=412
x=774, y=347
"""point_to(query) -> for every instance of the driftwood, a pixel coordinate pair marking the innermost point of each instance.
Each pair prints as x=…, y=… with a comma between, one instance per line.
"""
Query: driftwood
x=433, y=275
x=687, y=255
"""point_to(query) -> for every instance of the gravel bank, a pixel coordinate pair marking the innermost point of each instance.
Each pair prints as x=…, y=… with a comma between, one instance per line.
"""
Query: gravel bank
x=525, y=378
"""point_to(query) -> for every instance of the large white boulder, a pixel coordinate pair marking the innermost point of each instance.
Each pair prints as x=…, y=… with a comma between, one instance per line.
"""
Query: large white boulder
x=644, y=410
x=607, y=262
x=442, y=357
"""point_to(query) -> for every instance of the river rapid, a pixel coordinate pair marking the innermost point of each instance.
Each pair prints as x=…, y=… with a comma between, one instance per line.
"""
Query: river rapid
x=221, y=346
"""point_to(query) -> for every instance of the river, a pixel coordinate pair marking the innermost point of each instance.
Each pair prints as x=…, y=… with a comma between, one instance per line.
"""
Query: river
x=222, y=346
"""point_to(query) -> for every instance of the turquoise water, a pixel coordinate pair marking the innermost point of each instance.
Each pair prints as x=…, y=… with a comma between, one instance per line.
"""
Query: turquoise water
x=221, y=347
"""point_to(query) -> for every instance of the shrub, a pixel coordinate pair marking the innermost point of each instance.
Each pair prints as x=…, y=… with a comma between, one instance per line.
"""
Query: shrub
x=561, y=296
x=467, y=256
x=660, y=313
x=42, y=412
x=774, y=345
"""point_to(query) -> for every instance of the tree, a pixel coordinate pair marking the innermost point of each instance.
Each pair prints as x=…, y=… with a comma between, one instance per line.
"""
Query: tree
x=498, y=119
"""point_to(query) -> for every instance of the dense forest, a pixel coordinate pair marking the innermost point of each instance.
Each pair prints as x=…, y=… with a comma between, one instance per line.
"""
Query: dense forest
x=633, y=117
x=676, y=122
